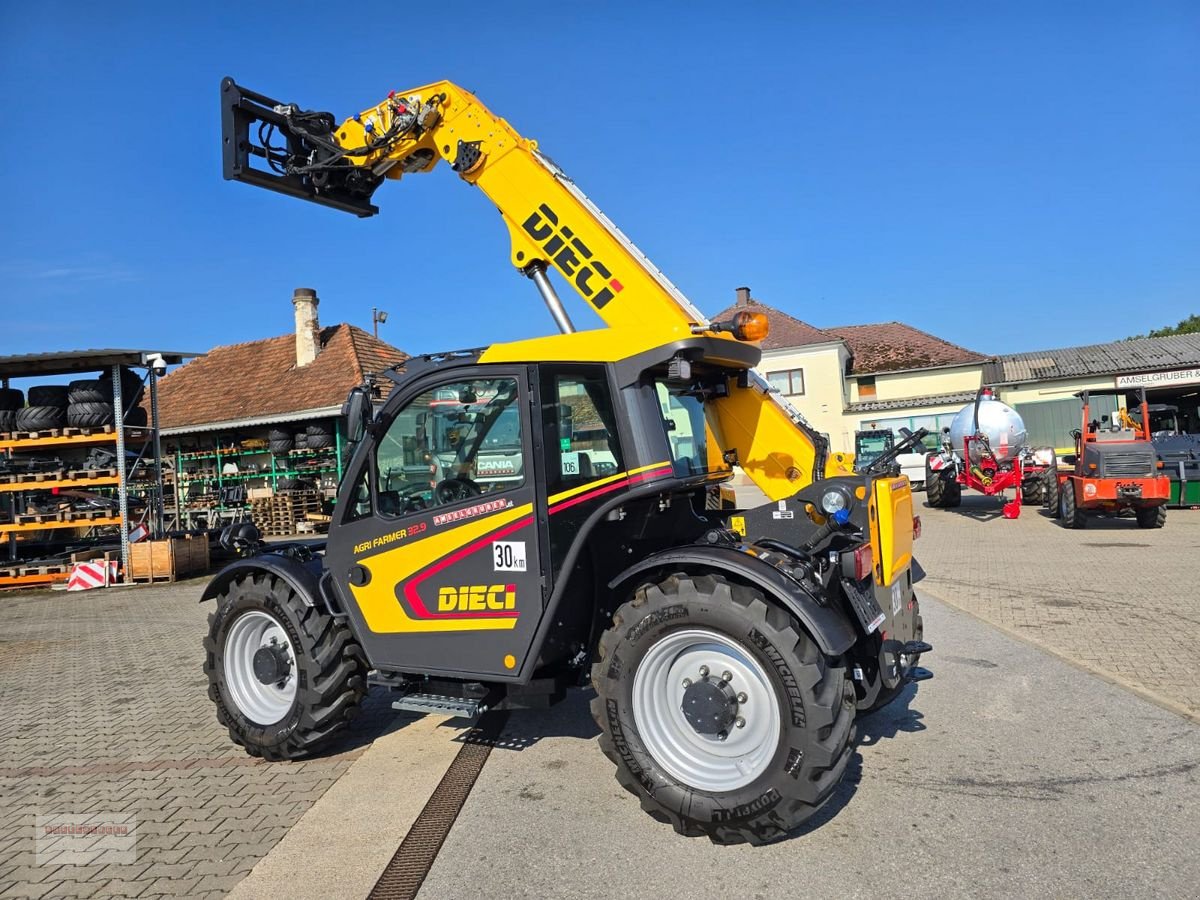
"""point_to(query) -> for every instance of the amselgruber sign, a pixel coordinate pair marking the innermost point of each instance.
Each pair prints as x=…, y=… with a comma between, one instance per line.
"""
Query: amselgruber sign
x=1159, y=379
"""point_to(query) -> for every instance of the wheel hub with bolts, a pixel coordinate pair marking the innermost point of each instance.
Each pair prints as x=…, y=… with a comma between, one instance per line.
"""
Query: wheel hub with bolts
x=706, y=710
x=272, y=664
x=712, y=705
x=260, y=667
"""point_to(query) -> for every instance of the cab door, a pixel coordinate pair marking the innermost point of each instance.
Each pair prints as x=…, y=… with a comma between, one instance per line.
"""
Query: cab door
x=436, y=555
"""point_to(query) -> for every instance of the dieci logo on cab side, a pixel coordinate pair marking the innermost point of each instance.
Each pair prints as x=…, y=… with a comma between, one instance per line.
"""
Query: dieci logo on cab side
x=572, y=256
x=477, y=598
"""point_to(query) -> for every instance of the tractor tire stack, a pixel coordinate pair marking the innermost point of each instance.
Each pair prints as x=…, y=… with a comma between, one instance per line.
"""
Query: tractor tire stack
x=47, y=409
x=280, y=442
x=132, y=390
x=87, y=406
x=11, y=401
x=319, y=436
x=300, y=441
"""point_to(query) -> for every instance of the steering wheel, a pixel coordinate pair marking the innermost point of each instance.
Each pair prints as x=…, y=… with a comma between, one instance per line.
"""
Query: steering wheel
x=451, y=490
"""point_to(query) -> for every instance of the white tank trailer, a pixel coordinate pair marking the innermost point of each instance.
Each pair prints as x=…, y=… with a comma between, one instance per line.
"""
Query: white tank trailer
x=998, y=422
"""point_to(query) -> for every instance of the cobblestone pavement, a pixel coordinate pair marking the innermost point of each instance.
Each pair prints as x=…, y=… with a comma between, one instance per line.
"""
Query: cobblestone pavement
x=1117, y=599
x=105, y=711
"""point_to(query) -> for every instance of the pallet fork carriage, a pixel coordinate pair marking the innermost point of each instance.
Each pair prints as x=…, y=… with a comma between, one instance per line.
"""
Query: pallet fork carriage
x=519, y=518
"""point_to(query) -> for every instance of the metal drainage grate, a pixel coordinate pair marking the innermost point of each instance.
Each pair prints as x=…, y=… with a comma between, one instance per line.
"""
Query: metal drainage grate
x=406, y=871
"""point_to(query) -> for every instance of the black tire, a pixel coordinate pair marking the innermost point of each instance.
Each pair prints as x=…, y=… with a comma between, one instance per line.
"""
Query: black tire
x=88, y=390
x=1068, y=510
x=131, y=384
x=48, y=395
x=319, y=428
x=1152, y=516
x=11, y=399
x=816, y=729
x=8, y=420
x=1050, y=491
x=330, y=667
x=1031, y=492
x=318, y=441
x=953, y=494
x=40, y=418
x=89, y=415
x=276, y=434
x=281, y=448
x=300, y=441
x=935, y=487
x=137, y=417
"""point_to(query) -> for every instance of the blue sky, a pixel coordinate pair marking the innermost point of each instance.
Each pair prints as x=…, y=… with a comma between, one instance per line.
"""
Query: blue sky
x=1007, y=176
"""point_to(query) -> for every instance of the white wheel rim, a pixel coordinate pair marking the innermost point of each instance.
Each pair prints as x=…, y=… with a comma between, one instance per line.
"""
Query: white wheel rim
x=705, y=762
x=263, y=704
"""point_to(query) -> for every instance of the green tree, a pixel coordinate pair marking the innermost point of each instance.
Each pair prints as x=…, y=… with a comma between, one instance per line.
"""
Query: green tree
x=1190, y=325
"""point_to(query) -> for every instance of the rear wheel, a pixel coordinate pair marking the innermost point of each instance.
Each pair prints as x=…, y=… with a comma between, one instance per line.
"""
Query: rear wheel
x=1031, y=491
x=721, y=714
x=285, y=676
x=1068, y=510
x=1152, y=517
x=1050, y=490
x=935, y=487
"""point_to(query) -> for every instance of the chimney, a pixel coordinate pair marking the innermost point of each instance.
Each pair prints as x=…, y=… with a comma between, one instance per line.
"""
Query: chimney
x=743, y=297
x=308, y=329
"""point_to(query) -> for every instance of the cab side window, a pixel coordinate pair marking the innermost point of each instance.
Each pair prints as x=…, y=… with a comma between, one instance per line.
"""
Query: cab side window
x=451, y=443
x=581, y=429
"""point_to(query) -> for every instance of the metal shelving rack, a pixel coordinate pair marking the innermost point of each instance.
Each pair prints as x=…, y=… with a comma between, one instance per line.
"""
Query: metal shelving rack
x=83, y=362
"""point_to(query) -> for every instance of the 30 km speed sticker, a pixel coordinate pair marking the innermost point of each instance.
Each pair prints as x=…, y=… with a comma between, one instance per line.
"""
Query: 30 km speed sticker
x=508, y=556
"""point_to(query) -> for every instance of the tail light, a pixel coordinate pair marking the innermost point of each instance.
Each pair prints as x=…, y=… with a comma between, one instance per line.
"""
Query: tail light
x=858, y=563
x=916, y=527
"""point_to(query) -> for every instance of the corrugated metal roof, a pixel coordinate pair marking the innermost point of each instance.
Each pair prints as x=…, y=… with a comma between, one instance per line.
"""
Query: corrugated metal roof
x=82, y=361
x=912, y=402
x=1117, y=358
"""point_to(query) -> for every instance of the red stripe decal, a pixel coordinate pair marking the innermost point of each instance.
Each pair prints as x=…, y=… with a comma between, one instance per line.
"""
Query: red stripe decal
x=418, y=605
x=608, y=488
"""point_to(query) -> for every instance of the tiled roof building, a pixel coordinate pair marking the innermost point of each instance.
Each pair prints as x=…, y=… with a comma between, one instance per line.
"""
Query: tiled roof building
x=293, y=376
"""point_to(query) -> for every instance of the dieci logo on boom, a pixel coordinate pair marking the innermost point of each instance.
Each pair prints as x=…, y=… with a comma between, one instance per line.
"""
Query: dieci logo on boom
x=572, y=256
x=477, y=598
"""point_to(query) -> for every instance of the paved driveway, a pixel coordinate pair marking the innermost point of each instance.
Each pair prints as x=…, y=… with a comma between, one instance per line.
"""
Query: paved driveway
x=105, y=712
x=1117, y=599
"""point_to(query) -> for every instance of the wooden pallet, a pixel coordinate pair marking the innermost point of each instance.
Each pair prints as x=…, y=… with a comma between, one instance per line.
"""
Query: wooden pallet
x=27, y=477
x=80, y=474
x=69, y=431
x=39, y=518
x=29, y=570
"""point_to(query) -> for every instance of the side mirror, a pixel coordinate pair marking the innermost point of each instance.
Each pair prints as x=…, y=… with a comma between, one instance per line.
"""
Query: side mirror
x=359, y=414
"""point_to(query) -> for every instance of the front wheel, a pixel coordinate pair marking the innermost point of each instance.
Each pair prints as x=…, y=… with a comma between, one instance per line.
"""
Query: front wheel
x=1152, y=516
x=285, y=676
x=1068, y=509
x=721, y=714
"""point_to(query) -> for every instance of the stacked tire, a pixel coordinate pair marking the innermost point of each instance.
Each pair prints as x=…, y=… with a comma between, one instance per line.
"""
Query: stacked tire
x=280, y=442
x=11, y=402
x=87, y=405
x=47, y=409
x=132, y=391
x=319, y=436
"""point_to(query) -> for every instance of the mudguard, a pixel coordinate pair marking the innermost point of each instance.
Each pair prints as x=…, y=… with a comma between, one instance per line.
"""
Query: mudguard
x=303, y=577
x=831, y=630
